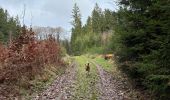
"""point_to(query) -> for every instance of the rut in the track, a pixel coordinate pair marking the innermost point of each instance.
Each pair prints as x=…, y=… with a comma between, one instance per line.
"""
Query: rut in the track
x=61, y=88
x=110, y=87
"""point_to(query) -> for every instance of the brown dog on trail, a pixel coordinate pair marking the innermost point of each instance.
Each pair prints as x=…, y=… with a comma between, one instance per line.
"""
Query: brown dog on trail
x=87, y=67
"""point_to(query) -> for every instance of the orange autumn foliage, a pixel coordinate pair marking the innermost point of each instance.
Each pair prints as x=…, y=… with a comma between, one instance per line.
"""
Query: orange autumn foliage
x=26, y=56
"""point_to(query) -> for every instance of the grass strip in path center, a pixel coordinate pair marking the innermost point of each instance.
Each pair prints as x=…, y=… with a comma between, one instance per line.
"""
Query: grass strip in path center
x=86, y=83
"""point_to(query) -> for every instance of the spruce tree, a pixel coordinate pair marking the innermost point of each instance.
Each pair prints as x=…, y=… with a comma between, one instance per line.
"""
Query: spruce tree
x=143, y=38
x=76, y=30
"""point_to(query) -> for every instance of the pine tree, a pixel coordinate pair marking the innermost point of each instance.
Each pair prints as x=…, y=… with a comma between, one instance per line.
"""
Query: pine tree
x=109, y=20
x=143, y=37
x=76, y=30
x=97, y=19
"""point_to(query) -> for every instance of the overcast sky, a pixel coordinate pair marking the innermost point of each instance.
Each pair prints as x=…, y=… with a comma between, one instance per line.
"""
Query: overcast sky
x=52, y=13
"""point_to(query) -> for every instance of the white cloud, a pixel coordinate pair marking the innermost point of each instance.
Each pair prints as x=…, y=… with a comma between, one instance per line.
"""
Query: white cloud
x=52, y=12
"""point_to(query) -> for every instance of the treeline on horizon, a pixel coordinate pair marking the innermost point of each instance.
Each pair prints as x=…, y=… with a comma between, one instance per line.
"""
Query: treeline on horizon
x=138, y=34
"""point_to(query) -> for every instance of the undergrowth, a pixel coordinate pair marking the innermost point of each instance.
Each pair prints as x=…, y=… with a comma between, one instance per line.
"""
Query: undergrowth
x=25, y=60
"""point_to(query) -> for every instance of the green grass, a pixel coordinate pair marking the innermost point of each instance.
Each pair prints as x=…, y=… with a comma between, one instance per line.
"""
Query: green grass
x=86, y=83
x=108, y=65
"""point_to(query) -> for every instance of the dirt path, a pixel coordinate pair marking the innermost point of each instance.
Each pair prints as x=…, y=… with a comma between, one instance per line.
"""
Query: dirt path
x=61, y=88
x=110, y=87
x=75, y=84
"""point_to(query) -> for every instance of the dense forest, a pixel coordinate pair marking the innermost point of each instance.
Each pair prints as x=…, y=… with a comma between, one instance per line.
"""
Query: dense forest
x=139, y=36
x=94, y=36
x=142, y=42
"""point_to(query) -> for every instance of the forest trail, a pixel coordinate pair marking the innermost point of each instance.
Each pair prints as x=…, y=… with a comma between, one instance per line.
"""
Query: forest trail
x=99, y=84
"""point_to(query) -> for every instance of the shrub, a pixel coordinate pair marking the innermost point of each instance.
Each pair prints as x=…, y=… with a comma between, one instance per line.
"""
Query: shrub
x=26, y=56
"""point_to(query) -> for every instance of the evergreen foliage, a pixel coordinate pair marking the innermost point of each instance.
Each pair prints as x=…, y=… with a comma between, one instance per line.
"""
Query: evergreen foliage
x=76, y=30
x=9, y=26
x=142, y=42
x=94, y=36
